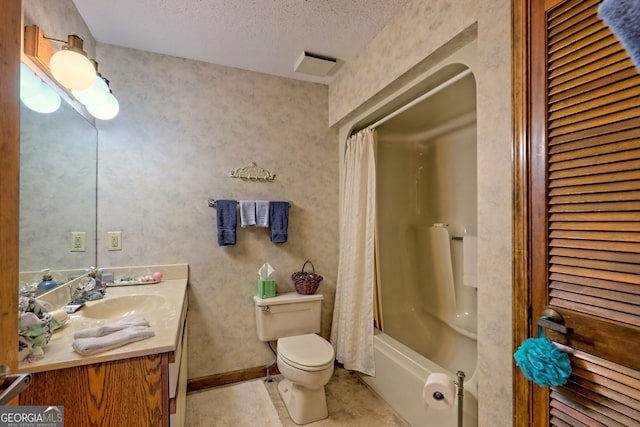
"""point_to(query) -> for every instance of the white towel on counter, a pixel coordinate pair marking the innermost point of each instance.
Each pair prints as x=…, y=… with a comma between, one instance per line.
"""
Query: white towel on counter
x=262, y=213
x=93, y=345
x=102, y=330
x=247, y=213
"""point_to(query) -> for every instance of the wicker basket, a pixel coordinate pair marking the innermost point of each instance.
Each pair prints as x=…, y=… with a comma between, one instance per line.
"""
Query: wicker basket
x=306, y=283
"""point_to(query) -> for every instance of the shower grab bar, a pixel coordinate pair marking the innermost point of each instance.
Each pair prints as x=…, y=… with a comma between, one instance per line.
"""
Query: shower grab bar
x=445, y=225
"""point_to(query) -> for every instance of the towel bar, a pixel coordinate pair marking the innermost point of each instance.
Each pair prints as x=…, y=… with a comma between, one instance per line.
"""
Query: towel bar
x=212, y=203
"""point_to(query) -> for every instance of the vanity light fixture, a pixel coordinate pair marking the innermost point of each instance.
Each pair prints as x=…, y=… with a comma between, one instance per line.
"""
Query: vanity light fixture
x=35, y=94
x=105, y=110
x=69, y=68
x=98, y=99
x=97, y=93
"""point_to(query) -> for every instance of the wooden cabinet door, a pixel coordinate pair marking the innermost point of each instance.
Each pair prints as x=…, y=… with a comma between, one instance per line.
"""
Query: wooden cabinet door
x=119, y=393
x=585, y=212
x=10, y=32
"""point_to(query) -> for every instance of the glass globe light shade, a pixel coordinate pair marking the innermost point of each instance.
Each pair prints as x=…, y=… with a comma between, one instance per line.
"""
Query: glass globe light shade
x=29, y=83
x=72, y=69
x=106, y=110
x=96, y=94
x=45, y=101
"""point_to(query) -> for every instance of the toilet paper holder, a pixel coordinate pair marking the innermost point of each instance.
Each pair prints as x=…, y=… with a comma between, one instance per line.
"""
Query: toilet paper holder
x=460, y=384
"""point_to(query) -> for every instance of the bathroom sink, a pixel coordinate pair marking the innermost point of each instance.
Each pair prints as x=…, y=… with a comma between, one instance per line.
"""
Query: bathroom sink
x=110, y=308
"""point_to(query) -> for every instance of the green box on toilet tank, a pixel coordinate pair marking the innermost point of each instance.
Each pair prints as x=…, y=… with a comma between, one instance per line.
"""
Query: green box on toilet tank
x=266, y=288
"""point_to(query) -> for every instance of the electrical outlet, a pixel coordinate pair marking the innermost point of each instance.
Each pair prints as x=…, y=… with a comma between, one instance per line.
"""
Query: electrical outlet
x=78, y=241
x=114, y=240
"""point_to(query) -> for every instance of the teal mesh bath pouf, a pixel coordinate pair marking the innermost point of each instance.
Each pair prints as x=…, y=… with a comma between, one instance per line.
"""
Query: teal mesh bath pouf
x=541, y=361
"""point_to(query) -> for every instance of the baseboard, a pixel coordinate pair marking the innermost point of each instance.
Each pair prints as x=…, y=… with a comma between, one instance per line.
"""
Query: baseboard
x=216, y=380
x=210, y=381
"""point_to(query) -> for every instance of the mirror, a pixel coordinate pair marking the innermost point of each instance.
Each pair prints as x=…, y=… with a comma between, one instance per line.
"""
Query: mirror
x=58, y=188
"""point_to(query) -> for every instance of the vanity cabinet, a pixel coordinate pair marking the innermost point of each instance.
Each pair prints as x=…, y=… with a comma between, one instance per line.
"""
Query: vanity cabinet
x=138, y=391
x=141, y=384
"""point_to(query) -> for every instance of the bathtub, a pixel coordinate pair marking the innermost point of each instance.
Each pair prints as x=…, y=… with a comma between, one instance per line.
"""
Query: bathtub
x=400, y=377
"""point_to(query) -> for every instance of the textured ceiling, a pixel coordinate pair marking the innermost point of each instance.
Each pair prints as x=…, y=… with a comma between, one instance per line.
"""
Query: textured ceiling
x=267, y=36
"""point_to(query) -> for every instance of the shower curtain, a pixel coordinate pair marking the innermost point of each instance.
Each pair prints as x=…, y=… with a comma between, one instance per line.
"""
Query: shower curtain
x=352, y=328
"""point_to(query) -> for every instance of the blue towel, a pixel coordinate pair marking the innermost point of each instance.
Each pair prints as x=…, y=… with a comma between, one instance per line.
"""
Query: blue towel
x=279, y=221
x=227, y=218
x=623, y=17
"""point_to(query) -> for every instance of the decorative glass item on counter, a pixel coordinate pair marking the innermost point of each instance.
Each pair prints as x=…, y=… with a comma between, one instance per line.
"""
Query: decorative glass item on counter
x=93, y=274
x=89, y=289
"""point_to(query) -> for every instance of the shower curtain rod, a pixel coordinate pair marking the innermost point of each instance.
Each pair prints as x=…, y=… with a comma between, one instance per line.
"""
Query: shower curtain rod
x=420, y=98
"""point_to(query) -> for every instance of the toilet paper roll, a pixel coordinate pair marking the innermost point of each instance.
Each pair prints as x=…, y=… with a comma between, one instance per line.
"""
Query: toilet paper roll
x=439, y=391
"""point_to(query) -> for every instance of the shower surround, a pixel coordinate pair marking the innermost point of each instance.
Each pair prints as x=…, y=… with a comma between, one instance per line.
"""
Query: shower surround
x=419, y=37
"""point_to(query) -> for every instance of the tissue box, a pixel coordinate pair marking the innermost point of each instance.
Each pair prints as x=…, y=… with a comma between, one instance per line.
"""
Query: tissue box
x=266, y=288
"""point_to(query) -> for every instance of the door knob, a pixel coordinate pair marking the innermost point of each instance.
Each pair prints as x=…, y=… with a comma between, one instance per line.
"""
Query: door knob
x=11, y=385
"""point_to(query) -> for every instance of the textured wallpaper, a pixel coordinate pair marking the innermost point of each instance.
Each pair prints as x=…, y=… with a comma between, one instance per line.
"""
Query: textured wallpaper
x=411, y=42
x=183, y=126
x=420, y=36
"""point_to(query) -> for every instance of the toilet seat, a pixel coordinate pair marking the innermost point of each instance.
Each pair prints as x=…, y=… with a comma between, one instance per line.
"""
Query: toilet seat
x=309, y=352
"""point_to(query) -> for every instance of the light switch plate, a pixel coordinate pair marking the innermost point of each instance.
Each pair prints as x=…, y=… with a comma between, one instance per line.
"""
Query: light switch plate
x=78, y=241
x=114, y=240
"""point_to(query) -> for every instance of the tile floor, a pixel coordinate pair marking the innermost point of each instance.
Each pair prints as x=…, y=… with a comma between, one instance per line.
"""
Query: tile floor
x=351, y=403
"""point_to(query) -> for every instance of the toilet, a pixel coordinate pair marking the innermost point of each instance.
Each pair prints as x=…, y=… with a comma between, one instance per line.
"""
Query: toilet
x=304, y=358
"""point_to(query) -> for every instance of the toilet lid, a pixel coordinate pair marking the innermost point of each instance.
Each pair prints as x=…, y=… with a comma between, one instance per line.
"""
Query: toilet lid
x=309, y=350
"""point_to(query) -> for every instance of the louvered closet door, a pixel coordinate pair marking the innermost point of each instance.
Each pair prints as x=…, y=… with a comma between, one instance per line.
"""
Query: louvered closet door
x=586, y=212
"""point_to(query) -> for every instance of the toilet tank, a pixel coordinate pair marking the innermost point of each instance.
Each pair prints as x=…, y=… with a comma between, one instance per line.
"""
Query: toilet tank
x=287, y=314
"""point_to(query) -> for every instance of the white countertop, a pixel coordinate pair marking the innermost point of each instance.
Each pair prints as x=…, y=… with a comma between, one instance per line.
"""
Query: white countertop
x=165, y=319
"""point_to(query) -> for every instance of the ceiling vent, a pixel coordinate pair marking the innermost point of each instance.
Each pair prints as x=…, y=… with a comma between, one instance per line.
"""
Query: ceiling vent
x=316, y=65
